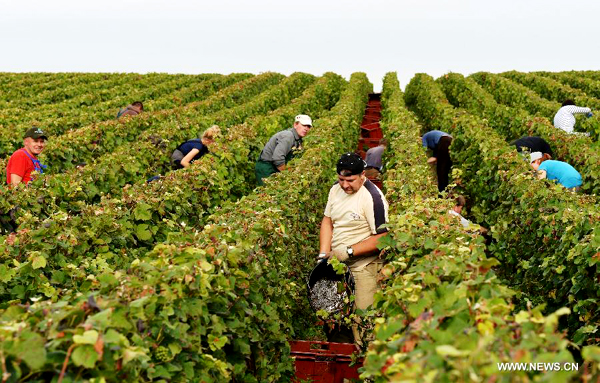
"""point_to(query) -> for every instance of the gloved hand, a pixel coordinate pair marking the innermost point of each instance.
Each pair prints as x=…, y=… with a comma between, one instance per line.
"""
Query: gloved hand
x=589, y=115
x=340, y=253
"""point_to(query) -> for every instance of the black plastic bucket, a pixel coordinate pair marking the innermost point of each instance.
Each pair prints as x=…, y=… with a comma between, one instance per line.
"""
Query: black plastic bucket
x=324, y=270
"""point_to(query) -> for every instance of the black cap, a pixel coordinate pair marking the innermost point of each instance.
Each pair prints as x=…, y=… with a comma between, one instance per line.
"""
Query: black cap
x=351, y=162
x=34, y=132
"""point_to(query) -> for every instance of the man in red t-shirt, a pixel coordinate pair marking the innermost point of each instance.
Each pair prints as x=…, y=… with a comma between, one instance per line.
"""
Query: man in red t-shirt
x=24, y=161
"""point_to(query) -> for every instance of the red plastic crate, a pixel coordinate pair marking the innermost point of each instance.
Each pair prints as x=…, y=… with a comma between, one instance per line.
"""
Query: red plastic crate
x=370, y=125
x=370, y=119
x=372, y=130
x=324, y=362
x=369, y=142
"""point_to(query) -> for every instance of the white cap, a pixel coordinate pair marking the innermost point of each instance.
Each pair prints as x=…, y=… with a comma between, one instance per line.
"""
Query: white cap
x=303, y=119
x=535, y=156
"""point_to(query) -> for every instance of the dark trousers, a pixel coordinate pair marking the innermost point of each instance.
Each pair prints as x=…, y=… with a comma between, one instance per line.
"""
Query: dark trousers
x=263, y=169
x=443, y=162
x=339, y=333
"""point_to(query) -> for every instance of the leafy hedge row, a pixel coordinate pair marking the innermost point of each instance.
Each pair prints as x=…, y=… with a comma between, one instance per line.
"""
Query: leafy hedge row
x=443, y=313
x=91, y=141
x=135, y=162
x=554, y=90
x=514, y=123
x=56, y=119
x=20, y=87
x=193, y=91
x=86, y=103
x=546, y=238
x=589, y=86
x=11, y=79
x=513, y=94
x=407, y=172
x=106, y=237
x=218, y=309
x=103, y=104
x=46, y=86
x=591, y=74
x=72, y=94
x=91, y=105
x=58, y=122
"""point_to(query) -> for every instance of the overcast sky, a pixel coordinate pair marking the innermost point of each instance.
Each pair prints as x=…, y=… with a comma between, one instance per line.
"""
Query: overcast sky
x=315, y=36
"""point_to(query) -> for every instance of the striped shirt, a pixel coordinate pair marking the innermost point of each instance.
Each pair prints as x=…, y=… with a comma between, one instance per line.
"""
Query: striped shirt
x=565, y=119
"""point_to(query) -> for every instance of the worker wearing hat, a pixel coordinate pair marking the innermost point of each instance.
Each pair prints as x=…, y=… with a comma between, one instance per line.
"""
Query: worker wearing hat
x=24, y=161
x=352, y=224
x=281, y=147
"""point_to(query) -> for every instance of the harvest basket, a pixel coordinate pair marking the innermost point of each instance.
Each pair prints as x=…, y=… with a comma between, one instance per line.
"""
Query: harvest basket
x=324, y=271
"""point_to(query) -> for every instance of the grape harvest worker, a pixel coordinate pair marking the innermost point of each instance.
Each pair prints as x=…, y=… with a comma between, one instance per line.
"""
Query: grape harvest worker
x=562, y=172
x=439, y=142
x=457, y=210
x=24, y=161
x=533, y=144
x=192, y=150
x=373, y=160
x=281, y=147
x=131, y=110
x=352, y=224
x=565, y=119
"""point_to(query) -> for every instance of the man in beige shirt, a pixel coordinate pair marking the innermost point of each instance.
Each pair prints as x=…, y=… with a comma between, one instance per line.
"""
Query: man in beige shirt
x=356, y=209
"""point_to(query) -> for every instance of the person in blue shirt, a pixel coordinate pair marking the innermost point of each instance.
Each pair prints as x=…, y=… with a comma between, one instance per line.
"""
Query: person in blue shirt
x=562, y=172
x=439, y=142
x=194, y=149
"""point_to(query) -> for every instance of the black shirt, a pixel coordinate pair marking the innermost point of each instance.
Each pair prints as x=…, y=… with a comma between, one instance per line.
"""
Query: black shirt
x=535, y=144
x=196, y=143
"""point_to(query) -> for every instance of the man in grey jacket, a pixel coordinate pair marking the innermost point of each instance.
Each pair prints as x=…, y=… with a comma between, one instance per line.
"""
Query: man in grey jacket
x=281, y=148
